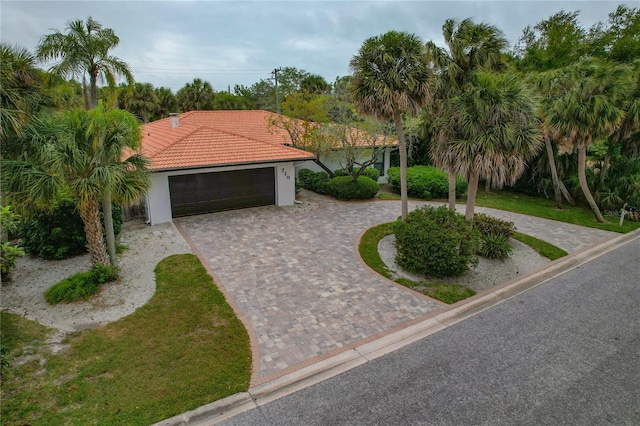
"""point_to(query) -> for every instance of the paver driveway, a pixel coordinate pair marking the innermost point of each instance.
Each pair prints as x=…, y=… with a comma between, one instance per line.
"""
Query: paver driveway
x=299, y=283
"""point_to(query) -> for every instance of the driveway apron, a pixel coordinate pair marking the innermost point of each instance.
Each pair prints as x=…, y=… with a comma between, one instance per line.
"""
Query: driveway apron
x=297, y=279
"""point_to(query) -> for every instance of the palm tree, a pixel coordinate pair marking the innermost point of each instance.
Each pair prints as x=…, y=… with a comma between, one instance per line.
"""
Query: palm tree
x=79, y=152
x=166, y=102
x=140, y=100
x=20, y=93
x=589, y=109
x=314, y=83
x=83, y=50
x=196, y=96
x=391, y=77
x=497, y=131
x=469, y=47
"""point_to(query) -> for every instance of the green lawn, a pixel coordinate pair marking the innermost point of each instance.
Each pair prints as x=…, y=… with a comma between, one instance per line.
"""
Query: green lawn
x=540, y=207
x=183, y=349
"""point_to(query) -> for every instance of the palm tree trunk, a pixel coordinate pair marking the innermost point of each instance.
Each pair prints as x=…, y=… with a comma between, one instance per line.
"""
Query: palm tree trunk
x=554, y=172
x=90, y=215
x=108, y=228
x=606, y=164
x=403, y=164
x=582, y=178
x=474, y=178
x=452, y=190
x=93, y=85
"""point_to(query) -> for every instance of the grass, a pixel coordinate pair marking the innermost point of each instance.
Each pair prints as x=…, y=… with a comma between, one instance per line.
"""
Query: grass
x=447, y=293
x=545, y=208
x=80, y=286
x=183, y=349
x=545, y=249
x=540, y=207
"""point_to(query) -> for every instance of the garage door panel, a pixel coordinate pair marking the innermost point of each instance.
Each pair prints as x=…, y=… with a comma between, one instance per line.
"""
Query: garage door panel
x=217, y=191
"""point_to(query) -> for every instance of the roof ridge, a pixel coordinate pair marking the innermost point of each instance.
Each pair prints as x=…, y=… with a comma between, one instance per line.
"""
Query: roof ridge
x=186, y=135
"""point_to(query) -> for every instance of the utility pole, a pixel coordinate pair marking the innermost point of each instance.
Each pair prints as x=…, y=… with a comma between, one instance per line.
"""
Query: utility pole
x=275, y=77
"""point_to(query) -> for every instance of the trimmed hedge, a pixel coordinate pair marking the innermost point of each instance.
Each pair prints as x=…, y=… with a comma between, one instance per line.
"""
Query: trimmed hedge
x=369, y=172
x=426, y=182
x=313, y=181
x=436, y=242
x=81, y=285
x=59, y=233
x=345, y=188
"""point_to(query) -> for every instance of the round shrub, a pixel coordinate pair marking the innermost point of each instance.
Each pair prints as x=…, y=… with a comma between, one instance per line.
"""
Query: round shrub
x=436, y=242
x=426, y=182
x=345, y=188
x=59, y=233
x=489, y=225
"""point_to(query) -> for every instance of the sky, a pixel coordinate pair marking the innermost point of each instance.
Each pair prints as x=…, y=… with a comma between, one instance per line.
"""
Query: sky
x=169, y=43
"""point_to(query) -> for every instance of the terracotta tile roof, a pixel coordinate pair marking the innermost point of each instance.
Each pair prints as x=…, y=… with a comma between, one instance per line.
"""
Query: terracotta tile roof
x=216, y=138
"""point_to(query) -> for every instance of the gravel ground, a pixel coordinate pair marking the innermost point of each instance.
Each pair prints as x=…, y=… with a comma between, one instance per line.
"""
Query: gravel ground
x=488, y=273
x=147, y=246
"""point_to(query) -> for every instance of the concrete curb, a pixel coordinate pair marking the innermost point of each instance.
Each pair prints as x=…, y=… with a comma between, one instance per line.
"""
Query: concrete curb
x=262, y=394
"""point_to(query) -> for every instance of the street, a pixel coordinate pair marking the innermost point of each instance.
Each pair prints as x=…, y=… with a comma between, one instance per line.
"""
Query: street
x=565, y=352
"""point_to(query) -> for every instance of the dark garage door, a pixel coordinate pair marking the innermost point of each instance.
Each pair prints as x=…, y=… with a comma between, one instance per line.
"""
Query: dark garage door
x=212, y=192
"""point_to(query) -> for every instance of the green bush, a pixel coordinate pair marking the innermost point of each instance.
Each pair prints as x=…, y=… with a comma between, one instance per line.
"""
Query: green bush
x=426, y=182
x=436, y=242
x=59, y=233
x=495, y=246
x=489, y=225
x=369, y=172
x=81, y=285
x=345, y=188
x=313, y=181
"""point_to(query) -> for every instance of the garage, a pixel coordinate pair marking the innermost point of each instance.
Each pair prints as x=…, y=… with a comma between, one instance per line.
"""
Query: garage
x=217, y=191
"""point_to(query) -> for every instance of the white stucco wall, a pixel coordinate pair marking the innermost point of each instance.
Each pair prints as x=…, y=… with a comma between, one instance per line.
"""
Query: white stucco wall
x=158, y=199
x=332, y=161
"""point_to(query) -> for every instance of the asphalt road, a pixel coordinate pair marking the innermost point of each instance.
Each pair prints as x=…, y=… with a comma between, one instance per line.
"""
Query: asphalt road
x=566, y=352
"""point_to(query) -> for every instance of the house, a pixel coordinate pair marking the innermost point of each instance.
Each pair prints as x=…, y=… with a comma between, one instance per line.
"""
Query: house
x=199, y=168
x=207, y=161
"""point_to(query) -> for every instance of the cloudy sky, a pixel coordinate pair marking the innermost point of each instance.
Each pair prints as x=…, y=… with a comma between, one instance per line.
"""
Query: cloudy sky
x=169, y=43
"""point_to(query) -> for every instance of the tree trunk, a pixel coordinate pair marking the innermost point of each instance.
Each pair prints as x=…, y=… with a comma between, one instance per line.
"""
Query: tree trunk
x=93, y=85
x=606, y=164
x=108, y=228
x=474, y=178
x=403, y=164
x=90, y=215
x=582, y=178
x=452, y=190
x=85, y=95
x=487, y=184
x=566, y=194
x=554, y=172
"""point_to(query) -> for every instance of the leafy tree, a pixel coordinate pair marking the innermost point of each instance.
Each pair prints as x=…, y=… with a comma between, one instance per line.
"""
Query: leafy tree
x=80, y=153
x=391, y=77
x=590, y=108
x=85, y=50
x=618, y=39
x=229, y=101
x=553, y=43
x=497, y=131
x=196, y=96
x=469, y=47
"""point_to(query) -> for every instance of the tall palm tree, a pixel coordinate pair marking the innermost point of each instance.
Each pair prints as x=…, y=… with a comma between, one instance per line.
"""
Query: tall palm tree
x=140, y=100
x=590, y=109
x=391, y=77
x=166, y=102
x=469, y=47
x=497, y=131
x=79, y=152
x=85, y=50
